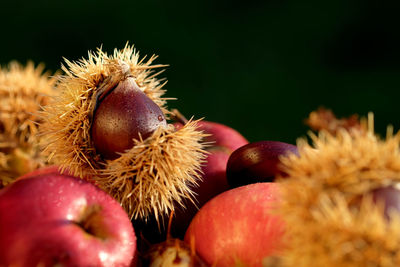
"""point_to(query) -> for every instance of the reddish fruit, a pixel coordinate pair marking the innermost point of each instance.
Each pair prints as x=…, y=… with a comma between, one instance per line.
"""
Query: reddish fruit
x=213, y=183
x=238, y=226
x=256, y=162
x=49, y=219
x=52, y=169
x=123, y=114
x=222, y=136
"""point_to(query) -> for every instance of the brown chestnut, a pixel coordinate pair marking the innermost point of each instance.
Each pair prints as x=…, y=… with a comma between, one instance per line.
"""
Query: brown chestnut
x=123, y=114
x=256, y=162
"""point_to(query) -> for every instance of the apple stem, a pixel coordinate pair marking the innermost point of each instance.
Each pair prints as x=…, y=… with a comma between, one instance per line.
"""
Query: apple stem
x=178, y=116
x=89, y=222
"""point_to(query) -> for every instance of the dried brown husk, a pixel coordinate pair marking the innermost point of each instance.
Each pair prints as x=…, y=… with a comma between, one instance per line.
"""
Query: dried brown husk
x=24, y=90
x=173, y=252
x=325, y=225
x=324, y=119
x=145, y=179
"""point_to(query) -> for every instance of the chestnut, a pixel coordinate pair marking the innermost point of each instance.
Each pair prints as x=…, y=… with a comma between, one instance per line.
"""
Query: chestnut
x=123, y=114
x=256, y=162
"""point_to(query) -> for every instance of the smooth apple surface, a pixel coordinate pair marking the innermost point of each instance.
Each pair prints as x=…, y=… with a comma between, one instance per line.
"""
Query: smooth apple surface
x=49, y=170
x=238, y=226
x=50, y=219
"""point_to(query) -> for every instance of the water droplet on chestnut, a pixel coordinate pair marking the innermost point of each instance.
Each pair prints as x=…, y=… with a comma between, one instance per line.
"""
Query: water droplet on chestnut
x=256, y=162
x=124, y=114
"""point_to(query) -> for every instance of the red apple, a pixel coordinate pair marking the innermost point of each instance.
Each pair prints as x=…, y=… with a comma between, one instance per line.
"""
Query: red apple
x=224, y=140
x=49, y=219
x=257, y=162
x=53, y=169
x=238, y=227
x=222, y=135
x=213, y=183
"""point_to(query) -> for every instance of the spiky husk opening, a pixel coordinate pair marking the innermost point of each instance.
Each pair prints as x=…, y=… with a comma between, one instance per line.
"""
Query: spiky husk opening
x=145, y=179
x=351, y=163
x=325, y=225
x=68, y=118
x=156, y=172
x=24, y=90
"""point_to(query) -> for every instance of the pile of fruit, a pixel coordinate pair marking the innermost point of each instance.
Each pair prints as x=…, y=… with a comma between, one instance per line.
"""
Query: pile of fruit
x=95, y=170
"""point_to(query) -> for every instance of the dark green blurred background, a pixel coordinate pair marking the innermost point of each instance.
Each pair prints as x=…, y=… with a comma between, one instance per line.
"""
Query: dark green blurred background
x=258, y=66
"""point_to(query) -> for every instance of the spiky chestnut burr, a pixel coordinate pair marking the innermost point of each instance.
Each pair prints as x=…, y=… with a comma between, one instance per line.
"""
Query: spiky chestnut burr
x=328, y=205
x=145, y=173
x=325, y=119
x=24, y=90
x=172, y=252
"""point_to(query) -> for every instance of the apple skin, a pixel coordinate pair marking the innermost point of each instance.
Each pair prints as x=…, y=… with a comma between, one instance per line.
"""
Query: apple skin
x=213, y=183
x=222, y=135
x=224, y=141
x=42, y=220
x=238, y=226
x=53, y=169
